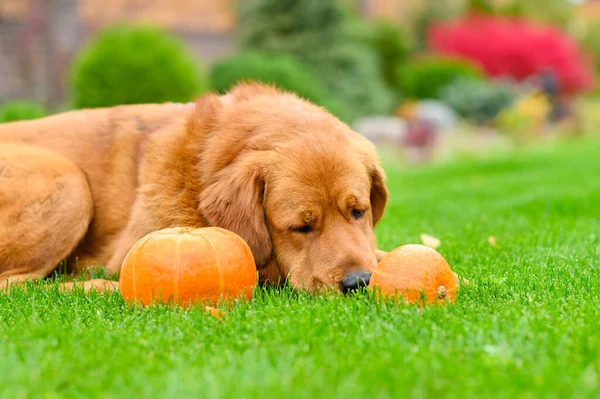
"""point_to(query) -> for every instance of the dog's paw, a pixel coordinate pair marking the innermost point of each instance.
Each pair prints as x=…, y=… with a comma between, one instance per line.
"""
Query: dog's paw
x=102, y=285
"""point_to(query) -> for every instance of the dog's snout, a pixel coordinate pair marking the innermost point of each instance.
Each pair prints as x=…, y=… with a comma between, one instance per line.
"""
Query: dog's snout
x=354, y=281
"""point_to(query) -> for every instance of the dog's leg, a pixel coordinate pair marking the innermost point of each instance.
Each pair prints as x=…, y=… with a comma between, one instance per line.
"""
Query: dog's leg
x=45, y=209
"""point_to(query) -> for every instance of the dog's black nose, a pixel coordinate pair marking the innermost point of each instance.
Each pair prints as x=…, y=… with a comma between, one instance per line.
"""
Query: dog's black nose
x=355, y=280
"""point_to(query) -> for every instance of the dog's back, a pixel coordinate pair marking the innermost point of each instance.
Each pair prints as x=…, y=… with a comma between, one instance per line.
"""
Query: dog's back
x=107, y=144
x=92, y=136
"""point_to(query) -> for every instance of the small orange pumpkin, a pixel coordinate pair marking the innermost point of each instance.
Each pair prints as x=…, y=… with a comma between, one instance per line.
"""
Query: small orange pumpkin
x=412, y=271
x=187, y=265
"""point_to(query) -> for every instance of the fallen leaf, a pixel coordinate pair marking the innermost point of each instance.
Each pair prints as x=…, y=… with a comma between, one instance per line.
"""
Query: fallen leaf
x=430, y=241
x=492, y=241
x=214, y=312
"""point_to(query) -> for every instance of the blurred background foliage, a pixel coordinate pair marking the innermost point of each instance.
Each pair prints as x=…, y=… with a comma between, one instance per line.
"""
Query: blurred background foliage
x=329, y=39
x=134, y=65
x=15, y=110
x=474, y=61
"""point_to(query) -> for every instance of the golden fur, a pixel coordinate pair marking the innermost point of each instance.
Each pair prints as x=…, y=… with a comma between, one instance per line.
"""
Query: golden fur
x=86, y=185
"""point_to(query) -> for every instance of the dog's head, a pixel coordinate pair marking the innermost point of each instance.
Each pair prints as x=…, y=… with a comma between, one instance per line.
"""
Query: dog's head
x=298, y=185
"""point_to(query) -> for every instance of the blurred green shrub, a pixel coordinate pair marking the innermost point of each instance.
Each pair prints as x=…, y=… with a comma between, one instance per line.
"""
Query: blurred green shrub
x=12, y=111
x=479, y=101
x=393, y=48
x=353, y=77
x=424, y=78
x=322, y=34
x=134, y=65
x=297, y=27
x=283, y=71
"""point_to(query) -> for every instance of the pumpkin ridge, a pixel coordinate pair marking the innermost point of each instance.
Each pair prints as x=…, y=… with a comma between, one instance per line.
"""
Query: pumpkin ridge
x=133, y=280
x=141, y=250
x=177, y=265
x=219, y=267
x=201, y=232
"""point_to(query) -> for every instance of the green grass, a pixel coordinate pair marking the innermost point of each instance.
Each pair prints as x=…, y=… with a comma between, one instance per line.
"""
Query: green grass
x=527, y=326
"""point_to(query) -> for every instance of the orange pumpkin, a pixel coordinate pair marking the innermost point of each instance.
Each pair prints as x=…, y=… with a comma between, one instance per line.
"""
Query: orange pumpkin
x=187, y=265
x=412, y=271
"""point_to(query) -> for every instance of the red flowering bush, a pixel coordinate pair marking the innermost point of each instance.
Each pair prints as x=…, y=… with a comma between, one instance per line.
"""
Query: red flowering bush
x=514, y=47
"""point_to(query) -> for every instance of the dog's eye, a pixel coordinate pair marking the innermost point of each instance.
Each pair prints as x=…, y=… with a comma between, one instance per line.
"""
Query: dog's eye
x=356, y=214
x=303, y=229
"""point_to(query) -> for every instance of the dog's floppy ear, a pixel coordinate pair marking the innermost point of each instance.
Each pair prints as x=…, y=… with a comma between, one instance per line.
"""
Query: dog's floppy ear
x=379, y=192
x=232, y=193
x=234, y=200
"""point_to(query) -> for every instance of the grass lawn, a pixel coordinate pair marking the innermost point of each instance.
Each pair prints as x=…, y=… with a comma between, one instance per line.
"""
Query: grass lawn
x=527, y=326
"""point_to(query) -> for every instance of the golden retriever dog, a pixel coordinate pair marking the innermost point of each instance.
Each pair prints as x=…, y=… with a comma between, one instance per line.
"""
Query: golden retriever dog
x=297, y=184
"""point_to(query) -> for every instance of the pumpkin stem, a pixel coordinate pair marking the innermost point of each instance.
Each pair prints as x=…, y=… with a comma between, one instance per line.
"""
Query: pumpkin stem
x=442, y=292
